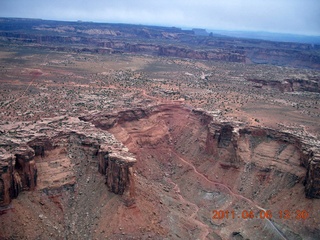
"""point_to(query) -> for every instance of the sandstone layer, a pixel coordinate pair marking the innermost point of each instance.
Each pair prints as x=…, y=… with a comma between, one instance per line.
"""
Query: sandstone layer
x=235, y=144
x=208, y=164
x=44, y=155
x=187, y=162
x=160, y=41
x=289, y=85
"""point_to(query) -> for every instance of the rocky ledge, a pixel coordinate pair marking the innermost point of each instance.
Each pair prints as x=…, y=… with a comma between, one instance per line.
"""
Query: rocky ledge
x=235, y=145
x=53, y=153
x=56, y=153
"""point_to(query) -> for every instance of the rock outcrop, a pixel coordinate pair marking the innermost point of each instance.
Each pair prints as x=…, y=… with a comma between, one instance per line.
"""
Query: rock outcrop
x=118, y=170
x=312, y=181
x=189, y=159
x=60, y=147
x=254, y=145
x=10, y=180
x=18, y=172
x=217, y=163
x=236, y=145
x=160, y=41
x=289, y=85
x=26, y=167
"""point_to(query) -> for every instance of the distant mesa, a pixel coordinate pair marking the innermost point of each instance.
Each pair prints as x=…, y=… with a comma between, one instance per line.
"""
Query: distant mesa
x=200, y=32
x=160, y=41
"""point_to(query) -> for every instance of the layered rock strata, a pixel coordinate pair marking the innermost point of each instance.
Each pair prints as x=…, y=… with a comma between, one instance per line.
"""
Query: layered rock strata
x=267, y=145
x=289, y=85
x=238, y=146
x=312, y=181
x=46, y=155
x=18, y=172
x=161, y=41
x=10, y=181
x=74, y=142
x=25, y=166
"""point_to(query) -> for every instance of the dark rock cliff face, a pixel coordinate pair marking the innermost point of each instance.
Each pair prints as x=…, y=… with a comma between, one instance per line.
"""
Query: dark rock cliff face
x=107, y=121
x=18, y=172
x=18, y=169
x=266, y=146
x=115, y=164
x=234, y=147
x=217, y=55
x=26, y=167
x=312, y=181
x=18, y=162
x=120, y=178
x=40, y=145
x=10, y=180
x=119, y=173
x=225, y=136
x=289, y=85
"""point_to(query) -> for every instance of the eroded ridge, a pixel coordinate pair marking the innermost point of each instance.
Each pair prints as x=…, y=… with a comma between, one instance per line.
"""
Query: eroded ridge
x=236, y=143
x=172, y=164
x=218, y=164
x=51, y=154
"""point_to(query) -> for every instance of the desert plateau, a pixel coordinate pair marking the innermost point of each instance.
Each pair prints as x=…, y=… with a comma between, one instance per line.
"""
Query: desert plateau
x=118, y=131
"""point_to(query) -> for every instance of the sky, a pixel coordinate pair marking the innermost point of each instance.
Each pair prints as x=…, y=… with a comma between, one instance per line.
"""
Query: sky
x=282, y=16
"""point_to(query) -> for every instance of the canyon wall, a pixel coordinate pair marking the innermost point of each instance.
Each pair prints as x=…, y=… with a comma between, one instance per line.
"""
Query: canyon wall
x=188, y=159
x=265, y=147
x=160, y=41
x=312, y=181
x=289, y=85
x=18, y=172
x=10, y=180
x=232, y=146
x=21, y=154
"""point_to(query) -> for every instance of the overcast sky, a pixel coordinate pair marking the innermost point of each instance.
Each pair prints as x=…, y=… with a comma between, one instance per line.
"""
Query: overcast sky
x=285, y=16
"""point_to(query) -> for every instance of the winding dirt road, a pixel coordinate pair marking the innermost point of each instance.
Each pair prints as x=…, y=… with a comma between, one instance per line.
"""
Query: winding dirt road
x=206, y=232
x=201, y=225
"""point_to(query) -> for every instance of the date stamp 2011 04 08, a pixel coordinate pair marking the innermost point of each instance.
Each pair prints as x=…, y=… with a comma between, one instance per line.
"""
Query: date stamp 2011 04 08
x=262, y=214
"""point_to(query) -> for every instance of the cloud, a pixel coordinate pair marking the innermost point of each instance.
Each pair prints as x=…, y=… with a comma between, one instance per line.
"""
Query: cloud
x=290, y=16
